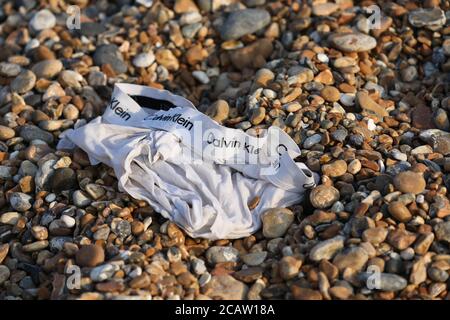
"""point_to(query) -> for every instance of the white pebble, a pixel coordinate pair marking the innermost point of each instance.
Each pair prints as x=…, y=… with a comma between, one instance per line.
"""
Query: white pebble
x=371, y=125
x=201, y=76
x=323, y=58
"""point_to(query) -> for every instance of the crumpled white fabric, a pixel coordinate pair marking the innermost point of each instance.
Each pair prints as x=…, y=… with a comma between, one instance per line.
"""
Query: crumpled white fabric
x=208, y=199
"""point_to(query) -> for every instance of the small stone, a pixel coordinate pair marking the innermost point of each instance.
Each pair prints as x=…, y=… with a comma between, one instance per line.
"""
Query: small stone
x=95, y=191
x=289, y=267
x=410, y=182
x=418, y=272
x=20, y=201
x=423, y=243
x=375, y=235
x=63, y=179
x=323, y=196
x=182, y=6
x=218, y=111
x=35, y=246
x=386, y=281
x=142, y=281
x=166, y=58
x=90, y=256
x=30, y=133
x=43, y=19
x=103, y=272
x=326, y=249
x=4, y=274
x=276, y=222
x=218, y=254
x=438, y=275
x=399, y=211
x=401, y=239
x=432, y=18
x=80, y=199
x=324, y=9
x=312, y=140
x=71, y=112
x=335, y=169
x=4, y=249
x=121, y=228
x=353, y=42
x=300, y=293
x=39, y=232
x=144, y=60
x=9, y=69
x=248, y=275
x=354, y=166
x=257, y=115
x=225, y=287
x=369, y=106
x=70, y=78
x=54, y=91
x=254, y=258
x=354, y=258
x=409, y=74
x=442, y=231
x=10, y=218
x=110, y=54
x=330, y=94
x=24, y=82
x=243, y=22
x=6, y=133
x=440, y=119
x=47, y=68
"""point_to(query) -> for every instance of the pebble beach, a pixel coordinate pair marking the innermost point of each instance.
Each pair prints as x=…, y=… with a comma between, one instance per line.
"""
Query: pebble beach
x=364, y=93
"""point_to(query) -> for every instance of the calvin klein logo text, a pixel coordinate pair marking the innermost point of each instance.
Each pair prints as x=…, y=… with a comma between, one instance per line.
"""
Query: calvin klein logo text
x=177, y=118
x=114, y=106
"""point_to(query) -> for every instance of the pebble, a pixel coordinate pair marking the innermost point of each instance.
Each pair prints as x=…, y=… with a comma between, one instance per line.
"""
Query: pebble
x=30, y=133
x=311, y=141
x=20, y=201
x=335, y=169
x=409, y=182
x=399, y=211
x=276, y=222
x=225, y=287
x=330, y=94
x=327, y=249
x=80, y=199
x=43, y=19
x=9, y=69
x=354, y=258
x=90, y=256
x=388, y=282
x=369, y=106
x=166, y=58
x=10, y=218
x=432, y=18
x=47, y=68
x=6, y=133
x=103, y=272
x=353, y=42
x=289, y=267
x=63, y=179
x=110, y=54
x=242, y=22
x=4, y=274
x=24, y=82
x=144, y=60
x=222, y=254
x=323, y=196
x=254, y=258
x=442, y=231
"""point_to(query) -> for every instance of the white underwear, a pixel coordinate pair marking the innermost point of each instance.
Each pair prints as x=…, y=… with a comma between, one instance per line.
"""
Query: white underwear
x=193, y=171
